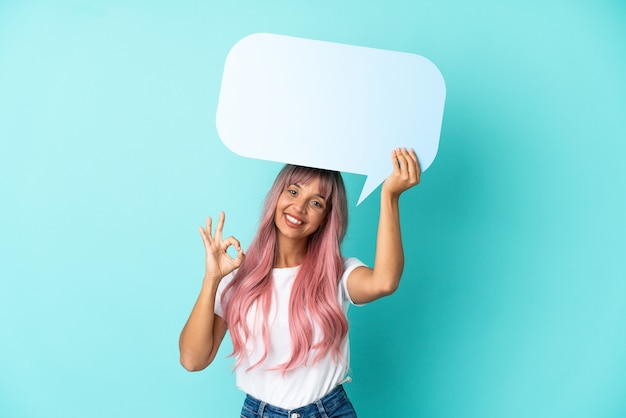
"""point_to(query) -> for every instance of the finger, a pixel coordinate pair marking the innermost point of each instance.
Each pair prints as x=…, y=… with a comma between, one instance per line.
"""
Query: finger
x=416, y=161
x=220, y=226
x=394, y=160
x=403, y=161
x=231, y=241
x=409, y=164
x=203, y=234
x=240, y=257
x=240, y=254
x=206, y=238
x=207, y=230
x=235, y=242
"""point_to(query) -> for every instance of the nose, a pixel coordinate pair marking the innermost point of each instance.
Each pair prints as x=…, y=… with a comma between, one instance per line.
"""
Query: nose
x=299, y=204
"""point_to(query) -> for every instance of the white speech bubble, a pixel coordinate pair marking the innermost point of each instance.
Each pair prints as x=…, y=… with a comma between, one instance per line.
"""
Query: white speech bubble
x=328, y=105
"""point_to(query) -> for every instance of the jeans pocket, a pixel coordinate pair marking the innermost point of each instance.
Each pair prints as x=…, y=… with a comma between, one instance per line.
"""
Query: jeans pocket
x=341, y=409
x=246, y=412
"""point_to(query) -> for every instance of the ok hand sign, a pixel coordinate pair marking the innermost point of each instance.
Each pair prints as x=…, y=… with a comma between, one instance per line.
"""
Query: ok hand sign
x=218, y=262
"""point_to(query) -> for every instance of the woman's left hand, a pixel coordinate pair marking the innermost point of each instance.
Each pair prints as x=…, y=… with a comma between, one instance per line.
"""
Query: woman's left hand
x=406, y=172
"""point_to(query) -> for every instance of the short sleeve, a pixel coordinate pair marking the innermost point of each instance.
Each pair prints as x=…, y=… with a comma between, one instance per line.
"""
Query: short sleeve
x=349, y=264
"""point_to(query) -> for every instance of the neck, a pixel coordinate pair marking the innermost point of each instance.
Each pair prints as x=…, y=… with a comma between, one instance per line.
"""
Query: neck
x=290, y=253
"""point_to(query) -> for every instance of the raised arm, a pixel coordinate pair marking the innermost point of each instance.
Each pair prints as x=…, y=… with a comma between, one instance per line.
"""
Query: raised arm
x=204, y=330
x=366, y=284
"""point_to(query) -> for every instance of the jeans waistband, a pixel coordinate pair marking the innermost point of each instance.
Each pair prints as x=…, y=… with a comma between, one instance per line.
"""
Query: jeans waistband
x=320, y=406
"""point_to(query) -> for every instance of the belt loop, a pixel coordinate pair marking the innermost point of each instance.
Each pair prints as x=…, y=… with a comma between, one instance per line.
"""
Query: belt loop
x=320, y=407
x=261, y=408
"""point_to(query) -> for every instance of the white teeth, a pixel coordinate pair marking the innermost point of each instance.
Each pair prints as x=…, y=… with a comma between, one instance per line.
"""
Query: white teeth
x=293, y=220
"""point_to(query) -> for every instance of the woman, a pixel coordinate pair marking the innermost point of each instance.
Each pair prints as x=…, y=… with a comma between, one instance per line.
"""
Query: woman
x=285, y=301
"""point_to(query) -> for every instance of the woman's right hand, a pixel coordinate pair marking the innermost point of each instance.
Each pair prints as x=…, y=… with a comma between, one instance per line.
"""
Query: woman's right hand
x=218, y=262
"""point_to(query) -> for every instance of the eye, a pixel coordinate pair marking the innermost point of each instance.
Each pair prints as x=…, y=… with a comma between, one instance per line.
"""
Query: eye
x=317, y=204
x=292, y=192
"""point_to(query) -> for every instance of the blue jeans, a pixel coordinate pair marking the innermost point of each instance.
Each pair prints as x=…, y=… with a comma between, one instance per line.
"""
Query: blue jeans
x=334, y=405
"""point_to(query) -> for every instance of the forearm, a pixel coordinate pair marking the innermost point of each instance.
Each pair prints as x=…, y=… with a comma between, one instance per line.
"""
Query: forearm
x=197, y=337
x=389, y=259
x=365, y=284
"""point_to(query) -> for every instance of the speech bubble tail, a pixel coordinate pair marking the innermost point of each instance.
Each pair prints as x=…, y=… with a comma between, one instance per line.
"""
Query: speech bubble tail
x=371, y=183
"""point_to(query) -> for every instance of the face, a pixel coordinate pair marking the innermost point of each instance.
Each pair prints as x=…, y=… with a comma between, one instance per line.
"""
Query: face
x=300, y=210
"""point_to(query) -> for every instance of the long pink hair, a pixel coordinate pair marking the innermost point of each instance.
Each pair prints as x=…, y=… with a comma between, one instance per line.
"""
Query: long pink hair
x=314, y=293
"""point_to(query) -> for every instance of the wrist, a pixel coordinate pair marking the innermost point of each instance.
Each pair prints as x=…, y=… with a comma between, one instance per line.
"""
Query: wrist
x=389, y=195
x=211, y=281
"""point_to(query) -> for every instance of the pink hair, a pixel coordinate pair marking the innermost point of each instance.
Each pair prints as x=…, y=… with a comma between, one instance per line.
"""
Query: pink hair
x=314, y=293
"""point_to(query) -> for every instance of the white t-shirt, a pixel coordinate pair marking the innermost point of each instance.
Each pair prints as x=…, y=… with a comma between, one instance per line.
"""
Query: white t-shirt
x=305, y=384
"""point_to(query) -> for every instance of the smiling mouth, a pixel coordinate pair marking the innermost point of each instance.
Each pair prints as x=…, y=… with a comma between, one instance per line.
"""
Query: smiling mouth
x=293, y=220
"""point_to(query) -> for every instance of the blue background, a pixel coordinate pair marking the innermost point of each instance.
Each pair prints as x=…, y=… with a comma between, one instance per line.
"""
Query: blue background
x=514, y=294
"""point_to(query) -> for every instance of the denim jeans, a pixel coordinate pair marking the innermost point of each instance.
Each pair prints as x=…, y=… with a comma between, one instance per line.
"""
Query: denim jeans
x=334, y=405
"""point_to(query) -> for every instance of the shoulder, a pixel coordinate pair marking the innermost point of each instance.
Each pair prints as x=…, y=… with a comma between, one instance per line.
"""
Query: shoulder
x=349, y=264
x=226, y=280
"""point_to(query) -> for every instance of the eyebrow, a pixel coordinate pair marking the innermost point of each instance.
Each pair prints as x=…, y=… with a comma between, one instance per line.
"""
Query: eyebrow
x=317, y=194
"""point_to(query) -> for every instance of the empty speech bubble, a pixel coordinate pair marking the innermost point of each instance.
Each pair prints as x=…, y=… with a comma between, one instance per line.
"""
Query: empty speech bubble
x=328, y=105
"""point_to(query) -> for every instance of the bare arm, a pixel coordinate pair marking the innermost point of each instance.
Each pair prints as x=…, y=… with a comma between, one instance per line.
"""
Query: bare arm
x=203, y=333
x=204, y=330
x=366, y=284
